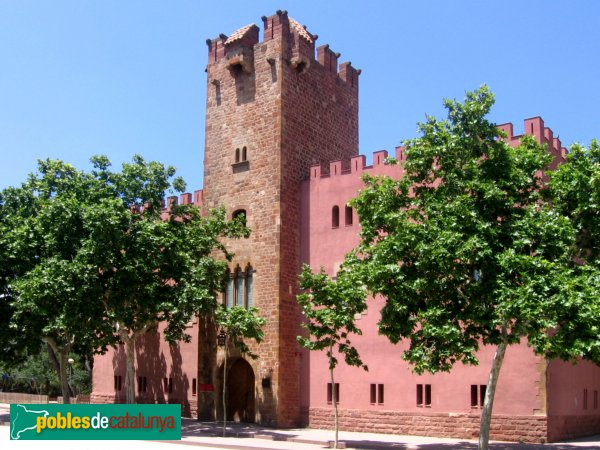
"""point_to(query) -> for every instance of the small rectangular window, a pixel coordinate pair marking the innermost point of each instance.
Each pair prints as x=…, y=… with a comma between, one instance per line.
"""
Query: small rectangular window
x=474, y=399
x=419, y=395
x=380, y=394
x=585, y=399
x=118, y=382
x=142, y=384
x=482, y=389
x=348, y=217
x=427, y=395
x=168, y=382
x=194, y=387
x=373, y=393
x=330, y=393
x=478, y=395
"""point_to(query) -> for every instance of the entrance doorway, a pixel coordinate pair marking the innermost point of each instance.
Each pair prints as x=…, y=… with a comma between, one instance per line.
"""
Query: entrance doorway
x=240, y=392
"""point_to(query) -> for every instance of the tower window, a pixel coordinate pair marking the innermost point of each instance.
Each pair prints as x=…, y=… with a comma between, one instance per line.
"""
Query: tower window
x=239, y=288
x=241, y=163
x=348, y=215
x=240, y=213
x=335, y=217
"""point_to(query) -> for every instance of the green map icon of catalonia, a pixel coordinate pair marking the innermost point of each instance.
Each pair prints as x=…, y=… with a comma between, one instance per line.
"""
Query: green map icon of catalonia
x=24, y=420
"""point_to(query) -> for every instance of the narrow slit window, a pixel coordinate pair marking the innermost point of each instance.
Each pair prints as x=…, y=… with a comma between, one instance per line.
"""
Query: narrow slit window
x=482, y=390
x=142, y=384
x=427, y=395
x=244, y=154
x=348, y=215
x=194, y=387
x=330, y=393
x=118, y=380
x=237, y=155
x=373, y=393
x=335, y=217
x=585, y=399
x=419, y=395
x=474, y=396
x=380, y=394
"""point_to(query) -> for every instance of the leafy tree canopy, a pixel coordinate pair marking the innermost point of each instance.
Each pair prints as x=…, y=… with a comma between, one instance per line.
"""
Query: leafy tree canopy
x=465, y=248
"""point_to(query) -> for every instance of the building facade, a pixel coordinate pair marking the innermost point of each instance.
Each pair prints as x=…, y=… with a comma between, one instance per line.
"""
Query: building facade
x=282, y=149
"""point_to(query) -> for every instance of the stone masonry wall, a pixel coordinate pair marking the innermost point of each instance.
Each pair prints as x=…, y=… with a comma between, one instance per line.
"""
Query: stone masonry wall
x=288, y=111
x=464, y=426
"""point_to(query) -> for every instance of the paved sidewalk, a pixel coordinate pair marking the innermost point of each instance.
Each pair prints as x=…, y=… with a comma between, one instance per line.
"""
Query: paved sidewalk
x=250, y=436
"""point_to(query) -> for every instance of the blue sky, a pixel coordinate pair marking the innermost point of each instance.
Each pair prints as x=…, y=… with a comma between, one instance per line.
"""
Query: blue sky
x=79, y=77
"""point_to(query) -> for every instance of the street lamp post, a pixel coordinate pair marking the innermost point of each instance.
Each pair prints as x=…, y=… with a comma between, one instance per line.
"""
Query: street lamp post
x=70, y=361
x=222, y=342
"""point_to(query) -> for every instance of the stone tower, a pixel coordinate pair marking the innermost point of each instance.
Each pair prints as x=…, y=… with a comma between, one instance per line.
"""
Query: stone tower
x=272, y=111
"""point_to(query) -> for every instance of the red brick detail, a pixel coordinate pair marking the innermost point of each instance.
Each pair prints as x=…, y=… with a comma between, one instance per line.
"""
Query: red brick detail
x=565, y=427
x=456, y=425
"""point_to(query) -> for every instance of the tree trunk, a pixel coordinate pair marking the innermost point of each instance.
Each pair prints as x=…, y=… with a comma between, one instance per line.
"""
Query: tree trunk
x=130, y=370
x=488, y=404
x=59, y=358
x=334, y=398
x=207, y=365
x=225, y=391
x=64, y=377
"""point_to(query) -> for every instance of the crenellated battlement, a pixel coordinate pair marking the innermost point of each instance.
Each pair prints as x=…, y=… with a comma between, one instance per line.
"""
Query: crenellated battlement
x=197, y=199
x=298, y=48
x=535, y=126
x=357, y=165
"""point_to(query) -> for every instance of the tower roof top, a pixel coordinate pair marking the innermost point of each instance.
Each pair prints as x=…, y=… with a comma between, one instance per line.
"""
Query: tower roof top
x=239, y=34
x=301, y=30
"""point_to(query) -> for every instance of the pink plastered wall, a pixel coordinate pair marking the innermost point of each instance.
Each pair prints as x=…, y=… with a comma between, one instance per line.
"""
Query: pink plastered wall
x=156, y=360
x=521, y=388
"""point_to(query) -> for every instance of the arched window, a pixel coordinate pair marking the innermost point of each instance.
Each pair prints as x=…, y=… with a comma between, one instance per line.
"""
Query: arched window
x=348, y=215
x=238, y=213
x=249, y=286
x=237, y=155
x=244, y=154
x=229, y=289
x=335, y=217
x=239, y=288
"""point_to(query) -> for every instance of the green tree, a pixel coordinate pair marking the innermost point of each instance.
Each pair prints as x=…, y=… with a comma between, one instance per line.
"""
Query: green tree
x=237, y=324
x=154, y=266
x=575, y=192
x=467, y=251
x=330, y=307
x=47, y=285
x=101, y=261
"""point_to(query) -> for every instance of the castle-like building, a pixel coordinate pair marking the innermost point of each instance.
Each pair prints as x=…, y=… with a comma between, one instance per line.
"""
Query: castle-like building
x=282, y=148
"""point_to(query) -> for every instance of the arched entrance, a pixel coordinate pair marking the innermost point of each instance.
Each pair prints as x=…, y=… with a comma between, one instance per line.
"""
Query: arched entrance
x=240, y=392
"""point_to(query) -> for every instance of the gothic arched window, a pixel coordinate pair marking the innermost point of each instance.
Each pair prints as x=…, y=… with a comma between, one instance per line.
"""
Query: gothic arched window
x=239, y=287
